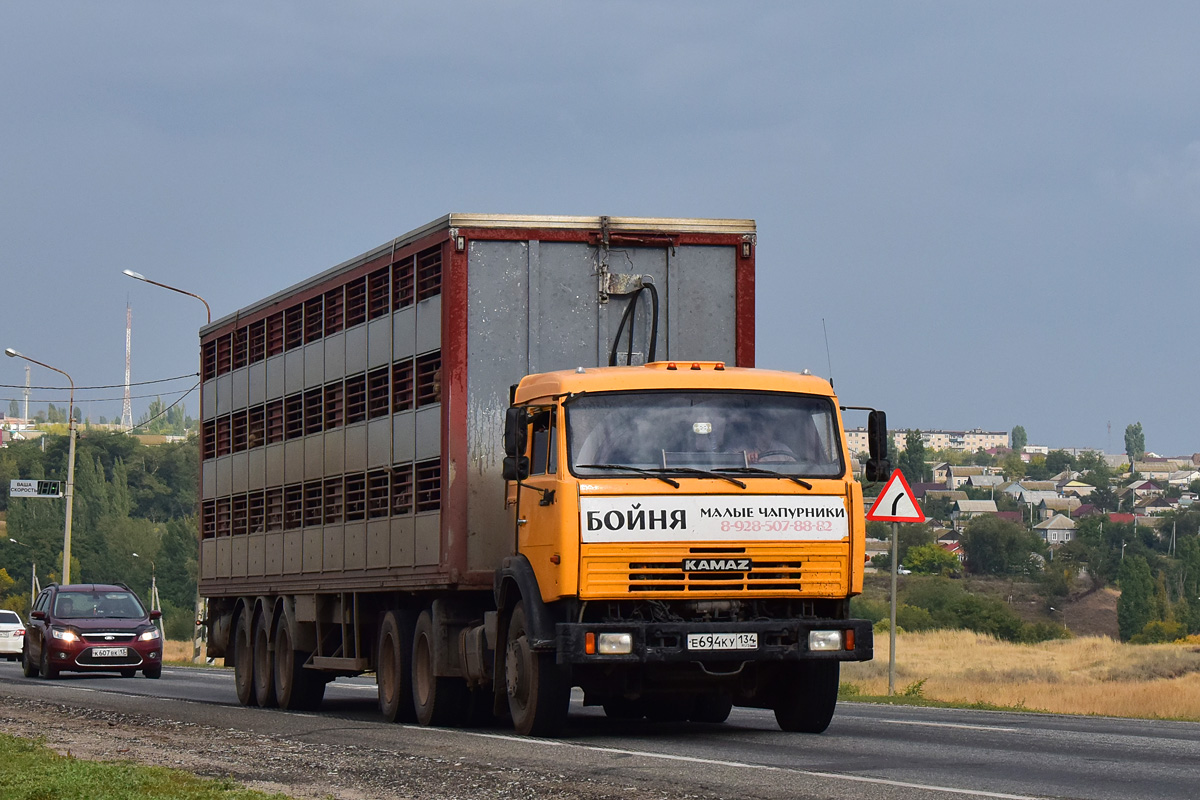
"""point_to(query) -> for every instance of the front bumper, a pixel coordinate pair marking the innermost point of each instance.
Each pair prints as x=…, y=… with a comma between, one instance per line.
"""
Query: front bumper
x=83, y=657
x=666, y=642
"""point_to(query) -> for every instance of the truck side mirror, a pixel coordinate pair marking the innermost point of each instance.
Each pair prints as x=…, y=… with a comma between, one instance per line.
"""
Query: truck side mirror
x=877, y=466
x=516, y=432
x=515, y=468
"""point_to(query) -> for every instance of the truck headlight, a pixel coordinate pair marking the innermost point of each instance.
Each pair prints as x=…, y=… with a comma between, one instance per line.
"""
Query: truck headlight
x=614, y=644
x=824, y=640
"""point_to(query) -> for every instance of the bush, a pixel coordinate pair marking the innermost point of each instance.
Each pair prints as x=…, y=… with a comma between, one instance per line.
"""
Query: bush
x=1034, y=632
x=1160, y=633
x=914, y=618
x=874, y=610
x=179, y=624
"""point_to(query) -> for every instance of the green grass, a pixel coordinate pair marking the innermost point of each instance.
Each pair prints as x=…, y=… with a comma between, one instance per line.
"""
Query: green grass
x=32, y=771
x=912, y=695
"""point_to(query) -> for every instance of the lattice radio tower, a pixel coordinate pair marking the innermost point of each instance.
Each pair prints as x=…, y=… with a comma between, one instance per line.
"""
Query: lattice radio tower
x=127, y=408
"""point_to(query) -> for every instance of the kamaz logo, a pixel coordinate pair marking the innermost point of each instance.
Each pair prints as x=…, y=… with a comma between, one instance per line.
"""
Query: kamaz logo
x=717, y=565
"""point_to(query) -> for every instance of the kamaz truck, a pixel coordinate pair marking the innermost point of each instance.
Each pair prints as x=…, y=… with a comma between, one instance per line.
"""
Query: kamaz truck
x=502, y=457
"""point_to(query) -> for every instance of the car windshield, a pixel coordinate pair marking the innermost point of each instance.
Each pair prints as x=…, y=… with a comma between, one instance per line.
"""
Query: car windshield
x=98, y=605
x=750, y=434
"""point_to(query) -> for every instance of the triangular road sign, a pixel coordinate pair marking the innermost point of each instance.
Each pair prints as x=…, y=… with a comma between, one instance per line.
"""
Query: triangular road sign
x=896, y=502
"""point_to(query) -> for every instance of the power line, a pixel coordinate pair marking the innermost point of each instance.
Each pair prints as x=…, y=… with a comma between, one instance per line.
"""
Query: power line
x=105, y=386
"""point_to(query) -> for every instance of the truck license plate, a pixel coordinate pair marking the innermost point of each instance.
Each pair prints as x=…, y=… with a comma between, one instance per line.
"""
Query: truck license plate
x=722, y=641
x=110, y=652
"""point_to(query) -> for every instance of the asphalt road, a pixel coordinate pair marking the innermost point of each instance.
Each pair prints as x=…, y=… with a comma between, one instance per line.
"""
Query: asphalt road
x=868, y=752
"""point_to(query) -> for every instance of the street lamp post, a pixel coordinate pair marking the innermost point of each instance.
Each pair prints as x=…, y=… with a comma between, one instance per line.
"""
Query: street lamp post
x=198, y=636
x=70, y=493
x=34, y=587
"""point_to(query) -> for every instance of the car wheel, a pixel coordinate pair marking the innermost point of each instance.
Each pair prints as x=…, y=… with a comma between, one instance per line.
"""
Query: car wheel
x=28, y=668
x=128, y=673
x=49, y=671
x=153, y=672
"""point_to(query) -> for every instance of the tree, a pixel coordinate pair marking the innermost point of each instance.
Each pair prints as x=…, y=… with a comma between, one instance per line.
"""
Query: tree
x=931, y=559
x=982, y=458
x=1019, y=438
x=1013, y=466
x=1135, y=443
x=1058, y=461
x=995, y=546
x=912, y=460
x=1135, y=607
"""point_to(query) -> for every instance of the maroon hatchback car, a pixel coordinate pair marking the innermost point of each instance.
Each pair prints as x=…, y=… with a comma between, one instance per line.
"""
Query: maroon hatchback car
x=91, y=627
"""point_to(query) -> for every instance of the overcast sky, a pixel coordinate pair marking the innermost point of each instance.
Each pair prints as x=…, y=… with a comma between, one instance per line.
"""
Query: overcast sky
x=993, y=206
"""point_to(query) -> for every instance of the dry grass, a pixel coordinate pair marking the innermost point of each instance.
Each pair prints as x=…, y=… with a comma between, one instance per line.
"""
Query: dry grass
x=1086, y=675
x=176, y=652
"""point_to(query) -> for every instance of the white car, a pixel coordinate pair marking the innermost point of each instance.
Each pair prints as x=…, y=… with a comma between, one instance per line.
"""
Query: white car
x=12, y=635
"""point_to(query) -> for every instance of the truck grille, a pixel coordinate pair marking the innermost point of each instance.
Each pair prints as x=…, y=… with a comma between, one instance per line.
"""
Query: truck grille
x=667, y=577
x=776, y=571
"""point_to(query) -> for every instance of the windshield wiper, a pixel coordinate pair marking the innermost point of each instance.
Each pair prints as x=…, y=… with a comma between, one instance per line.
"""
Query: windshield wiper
x=761, y=471
x=639, y=471
x=706, y=473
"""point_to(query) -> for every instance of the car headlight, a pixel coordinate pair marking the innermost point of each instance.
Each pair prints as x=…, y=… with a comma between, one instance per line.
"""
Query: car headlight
x=150, y=635
x=64, y=635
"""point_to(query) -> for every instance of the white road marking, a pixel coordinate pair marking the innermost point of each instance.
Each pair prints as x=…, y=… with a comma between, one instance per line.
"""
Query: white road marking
x=736, y=764
x=949, y=725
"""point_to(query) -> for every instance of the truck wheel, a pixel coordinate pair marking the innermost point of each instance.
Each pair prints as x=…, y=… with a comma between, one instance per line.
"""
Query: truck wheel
x=538, y=693
x=440, y=701
x=393, y=669
x=296, y=688
x=243, y=662
x=712, y=708
x=28, y=668
x=264, y=665
x=807, y=696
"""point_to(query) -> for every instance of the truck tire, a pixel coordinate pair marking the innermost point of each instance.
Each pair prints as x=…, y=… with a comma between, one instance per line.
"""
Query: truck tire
x=711, y=708
x=538, y=692
x=440, y=701
x=264, y=664
x=807, y=696
x=296, y=688
x=243, y=661
x=393, y=670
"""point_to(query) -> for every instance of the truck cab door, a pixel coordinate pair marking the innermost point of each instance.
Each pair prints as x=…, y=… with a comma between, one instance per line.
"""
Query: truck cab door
x=540, y=531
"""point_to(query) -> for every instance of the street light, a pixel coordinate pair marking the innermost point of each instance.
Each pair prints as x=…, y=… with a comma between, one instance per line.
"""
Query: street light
x=1062, y=611
x=66, y=569
x=200, y=607
x=35, y=588
x=139, y=276
x=155, y=603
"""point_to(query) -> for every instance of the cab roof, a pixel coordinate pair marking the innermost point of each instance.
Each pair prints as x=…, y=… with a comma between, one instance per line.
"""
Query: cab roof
x=668, y=375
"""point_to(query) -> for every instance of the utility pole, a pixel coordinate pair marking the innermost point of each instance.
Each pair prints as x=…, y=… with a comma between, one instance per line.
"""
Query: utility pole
x=126, y=408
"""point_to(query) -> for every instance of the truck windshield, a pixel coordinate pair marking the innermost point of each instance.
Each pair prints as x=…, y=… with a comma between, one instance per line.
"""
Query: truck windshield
x=748, y=434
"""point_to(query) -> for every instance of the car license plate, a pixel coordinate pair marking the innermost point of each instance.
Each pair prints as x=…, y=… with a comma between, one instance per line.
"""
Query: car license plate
x=722, y=641
x=110, y=652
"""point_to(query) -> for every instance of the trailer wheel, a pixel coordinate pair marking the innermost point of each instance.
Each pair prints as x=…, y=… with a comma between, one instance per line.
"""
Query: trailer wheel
x=807, y=696
x=243, y=661
x=440, y=701
x=393, y=672
x=296, y=688
x=264, y=664
x=538, y=693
